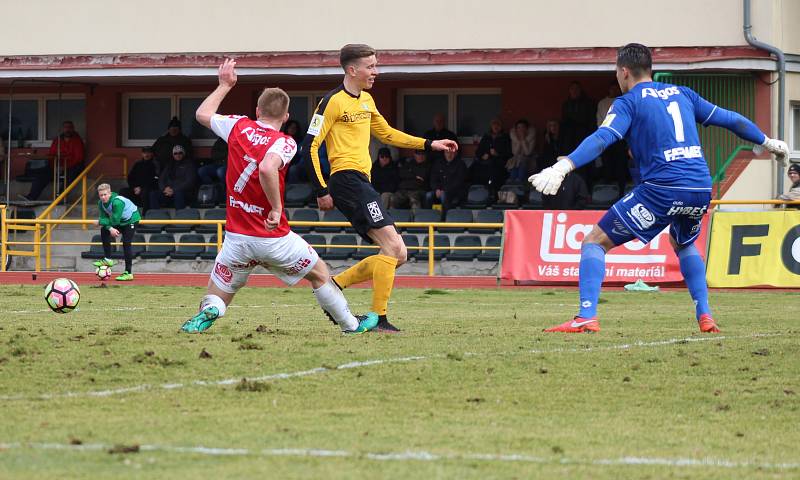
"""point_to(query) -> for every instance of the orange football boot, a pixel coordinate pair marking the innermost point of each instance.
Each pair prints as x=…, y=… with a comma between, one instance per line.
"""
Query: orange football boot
x=578, y=325
x=707, y=324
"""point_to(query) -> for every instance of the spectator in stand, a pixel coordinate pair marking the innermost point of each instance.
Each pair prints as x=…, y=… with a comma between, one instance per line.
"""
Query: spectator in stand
x=448, y=182
x=178, y=180
x=163, y=146
x=439, y=132
x=522, y=161
x=67, y=149
x=143, y=181
x=385, y=176
x=573, y=195
x=613, y=165
x=794, y=191
x=494, y=150
x=553, y=146
x=414, y=175
x=214, y=170
x=577, y=122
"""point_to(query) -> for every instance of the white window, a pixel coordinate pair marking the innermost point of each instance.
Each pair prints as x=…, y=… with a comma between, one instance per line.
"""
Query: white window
x=794, y=135
x=37, y=119
x=467, y=111
x=145, y=117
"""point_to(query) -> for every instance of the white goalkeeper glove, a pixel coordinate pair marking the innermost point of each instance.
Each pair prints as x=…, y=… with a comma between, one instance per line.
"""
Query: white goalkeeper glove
x=549, y=180
x=777, y=148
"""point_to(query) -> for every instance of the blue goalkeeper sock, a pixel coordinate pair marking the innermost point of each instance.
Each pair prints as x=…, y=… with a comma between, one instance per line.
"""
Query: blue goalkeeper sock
x=694, y=273
x=590, y=278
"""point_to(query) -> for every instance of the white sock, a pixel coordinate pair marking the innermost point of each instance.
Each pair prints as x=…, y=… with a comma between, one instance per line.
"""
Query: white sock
x=332, y=301
x=213, y=301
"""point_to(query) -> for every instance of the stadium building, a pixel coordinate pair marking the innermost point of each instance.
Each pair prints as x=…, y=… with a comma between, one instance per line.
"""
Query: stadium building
x=122, y=71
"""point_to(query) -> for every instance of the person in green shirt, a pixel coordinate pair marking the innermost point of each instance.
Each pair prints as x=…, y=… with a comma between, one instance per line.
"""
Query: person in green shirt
x=118, y=218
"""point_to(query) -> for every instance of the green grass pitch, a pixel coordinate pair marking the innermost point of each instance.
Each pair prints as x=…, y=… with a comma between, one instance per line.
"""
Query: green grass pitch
x=471, y=389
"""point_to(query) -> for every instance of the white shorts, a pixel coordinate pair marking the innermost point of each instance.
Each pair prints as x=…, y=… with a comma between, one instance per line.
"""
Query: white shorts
x=289, y=258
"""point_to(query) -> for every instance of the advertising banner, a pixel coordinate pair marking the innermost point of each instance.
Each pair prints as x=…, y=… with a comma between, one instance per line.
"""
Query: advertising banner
x=545, y=246
x=754, y=249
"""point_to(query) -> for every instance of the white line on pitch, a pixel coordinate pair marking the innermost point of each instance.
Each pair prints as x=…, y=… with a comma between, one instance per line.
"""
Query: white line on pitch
x=361, y=364
x=420, y=456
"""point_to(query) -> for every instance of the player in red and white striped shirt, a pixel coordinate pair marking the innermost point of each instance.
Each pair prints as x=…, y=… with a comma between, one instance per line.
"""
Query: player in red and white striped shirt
x=257, y=231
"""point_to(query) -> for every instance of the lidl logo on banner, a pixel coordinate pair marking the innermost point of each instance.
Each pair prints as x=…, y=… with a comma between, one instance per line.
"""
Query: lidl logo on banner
x=755, y=248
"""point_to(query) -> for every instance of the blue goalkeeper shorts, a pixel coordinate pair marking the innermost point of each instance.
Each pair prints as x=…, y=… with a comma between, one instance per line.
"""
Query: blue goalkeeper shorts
x=647, y=210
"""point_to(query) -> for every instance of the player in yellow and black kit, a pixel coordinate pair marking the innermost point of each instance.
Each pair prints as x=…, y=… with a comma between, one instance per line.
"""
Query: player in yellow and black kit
x=344, y=120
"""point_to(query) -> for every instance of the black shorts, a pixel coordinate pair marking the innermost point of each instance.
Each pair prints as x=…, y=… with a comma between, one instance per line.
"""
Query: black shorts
x=355, y=197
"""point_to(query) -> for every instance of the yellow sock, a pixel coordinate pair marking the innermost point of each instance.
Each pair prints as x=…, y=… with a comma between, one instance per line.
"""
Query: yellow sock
x=360, y=272
x=382, y=282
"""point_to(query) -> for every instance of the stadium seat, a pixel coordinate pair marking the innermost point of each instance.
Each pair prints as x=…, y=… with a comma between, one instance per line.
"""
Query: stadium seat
x=154, y=214
x=211, y=214
x=305, y=215
x=519, y=194
x=424, y=215
x=438, y=241
x=603, y=196
x=95, y=252
x=534, y=200
x=135, y=249
x=477, y=197
x=487, y=216
x=457, y=215
x=297, y=195
x=411, y=241
x=332, y=216
x=208, y=195
x=341, y=253
x=401, y=215
x=466, y=241
x=189, y=252
x=211, y=252
x=362, y=253
x=159, y=251
x=183, y=214
x=25, y=213
x=319, y=240
x=491, y=255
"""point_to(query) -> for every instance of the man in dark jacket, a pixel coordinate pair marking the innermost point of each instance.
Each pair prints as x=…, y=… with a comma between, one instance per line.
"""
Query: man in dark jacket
x=143, y=181
x=414, y=175
x=384, y=176
x=178, y=180
x=573, y=195
x=448, y=181
x=439, y=132
x=165, y=143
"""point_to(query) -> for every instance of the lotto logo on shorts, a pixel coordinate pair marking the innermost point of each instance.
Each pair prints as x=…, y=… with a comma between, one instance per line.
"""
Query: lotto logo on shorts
x=223, y=272
x=375, y=211
x=641, y=216
x=298, y=266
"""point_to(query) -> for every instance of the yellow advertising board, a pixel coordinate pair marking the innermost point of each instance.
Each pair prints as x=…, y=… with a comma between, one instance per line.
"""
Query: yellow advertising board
x=749, y=249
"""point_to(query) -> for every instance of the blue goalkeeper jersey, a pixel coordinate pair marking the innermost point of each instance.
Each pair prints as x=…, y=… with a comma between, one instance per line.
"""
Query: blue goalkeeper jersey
x=658, y=122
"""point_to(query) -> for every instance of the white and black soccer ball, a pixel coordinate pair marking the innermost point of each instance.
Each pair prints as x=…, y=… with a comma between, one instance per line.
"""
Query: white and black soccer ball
x=62, y=295
x=103, y=272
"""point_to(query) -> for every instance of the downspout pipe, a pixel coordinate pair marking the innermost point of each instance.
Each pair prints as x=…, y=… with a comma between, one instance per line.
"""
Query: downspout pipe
x=748, y=35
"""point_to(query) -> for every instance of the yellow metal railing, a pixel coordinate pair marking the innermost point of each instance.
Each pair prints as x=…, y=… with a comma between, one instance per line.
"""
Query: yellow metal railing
x=36, y=224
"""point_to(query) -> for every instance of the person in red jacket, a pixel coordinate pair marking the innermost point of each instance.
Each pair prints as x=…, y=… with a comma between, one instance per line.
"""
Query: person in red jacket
x=70, y=145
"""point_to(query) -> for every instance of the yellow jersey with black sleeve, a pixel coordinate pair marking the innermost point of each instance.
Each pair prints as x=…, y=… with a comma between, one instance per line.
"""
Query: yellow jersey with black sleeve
x=344, y=122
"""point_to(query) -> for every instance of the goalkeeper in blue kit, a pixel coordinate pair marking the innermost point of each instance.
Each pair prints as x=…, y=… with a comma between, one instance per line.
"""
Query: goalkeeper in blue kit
x=658, y=122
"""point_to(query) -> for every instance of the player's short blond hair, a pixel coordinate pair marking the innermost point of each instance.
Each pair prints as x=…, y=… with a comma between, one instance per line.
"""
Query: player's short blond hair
x=273, y=103
x=103, y=187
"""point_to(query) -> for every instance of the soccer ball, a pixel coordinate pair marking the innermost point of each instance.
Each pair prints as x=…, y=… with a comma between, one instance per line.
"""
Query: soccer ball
x=103, y=272
x=62, y=295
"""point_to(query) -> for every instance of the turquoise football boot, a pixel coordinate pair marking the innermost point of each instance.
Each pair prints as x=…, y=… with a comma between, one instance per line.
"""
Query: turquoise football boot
x=366, y=322
x=202, y=321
